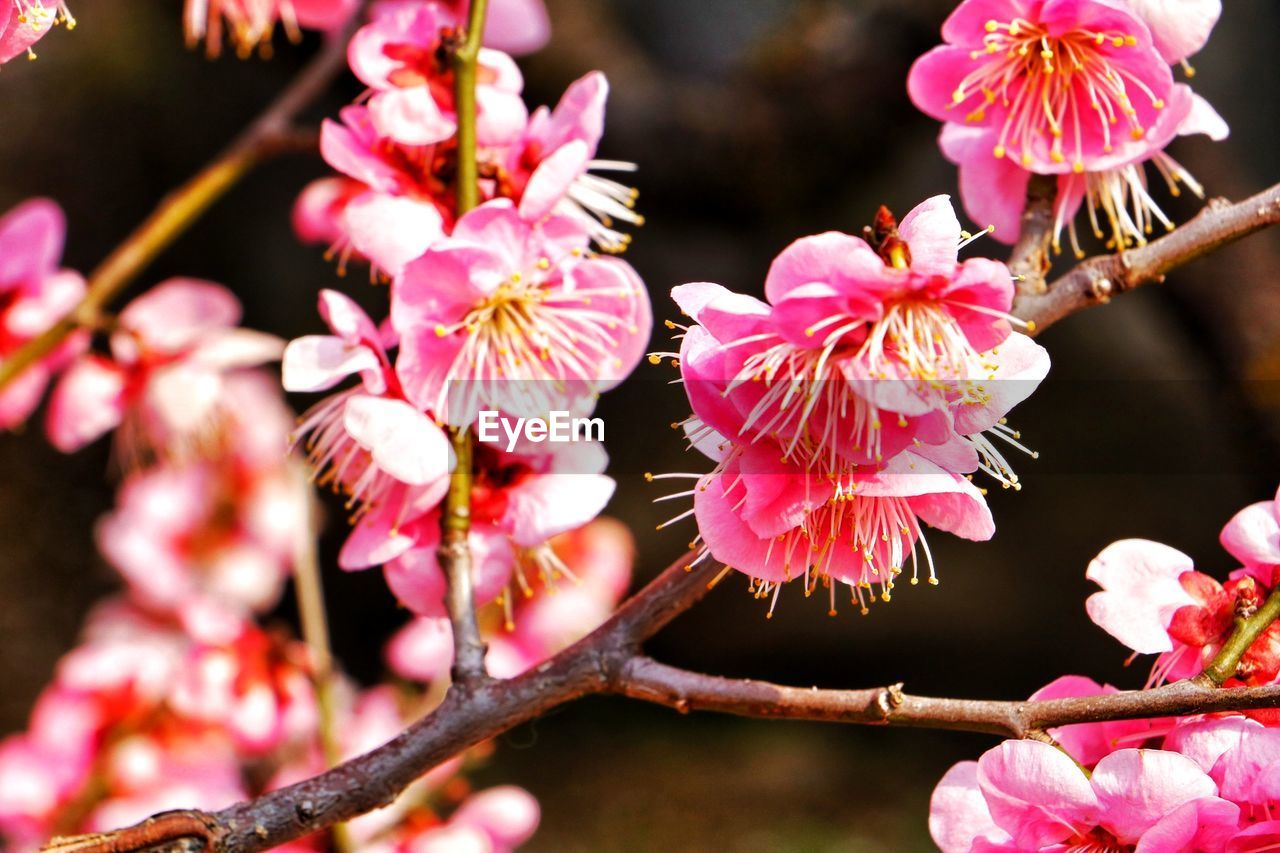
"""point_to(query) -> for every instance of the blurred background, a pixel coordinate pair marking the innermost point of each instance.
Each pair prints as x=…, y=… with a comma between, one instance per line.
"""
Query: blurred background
x=754, y=122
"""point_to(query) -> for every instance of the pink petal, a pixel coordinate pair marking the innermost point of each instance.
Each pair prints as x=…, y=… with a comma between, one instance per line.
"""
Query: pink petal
x=932, y=231
x=507, y=814
x=1138, y=787
x=847, y=263
x=31, y=236
x=175, y=313
x=1206, y=740
x=411, y=116
x=1180, y=27
x=318, y=362
x=422, y=650
x=1036, y=793
x=392, y=230
x=1203, y=118
x=86, y=403
x=1204, y=824
x=549, y=504
x=994, y=190
x=958, y=812
x=550, y=182
x=1252, y=535
x=517, y=26
x=404, y=442
x=1140, y=593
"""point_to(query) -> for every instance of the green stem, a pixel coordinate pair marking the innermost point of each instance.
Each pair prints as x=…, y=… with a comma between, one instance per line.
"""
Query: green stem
x=455, y=523
x=1247, y=629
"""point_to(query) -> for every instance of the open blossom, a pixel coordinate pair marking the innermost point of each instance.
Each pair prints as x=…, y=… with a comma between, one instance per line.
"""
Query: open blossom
x=1154, y=601
x=1078, y=89
x=547, y=614
x=403, y=56
x=515, y=317
x=34, y=294
x=1027, y=795
x=861, y=351
x=250, y=24
x=519, y=502
x=25, y=22
x=171, y=352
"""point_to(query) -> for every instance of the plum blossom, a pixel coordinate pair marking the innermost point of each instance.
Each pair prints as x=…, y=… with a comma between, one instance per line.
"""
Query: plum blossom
x=514, y=26
x=1027, y=795
x=519, y=502
x=367, y=441
x=1079, y=89
x=515, y=317
x=860, y=350
x=548, y=613
x=1154, y=602
x=34, y=294
x=1252, y=536
x=25, y=22
x=171, y=353
x=402, y=55
x=250, y=24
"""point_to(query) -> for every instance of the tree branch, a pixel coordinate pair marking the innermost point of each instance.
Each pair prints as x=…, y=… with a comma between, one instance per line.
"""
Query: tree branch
x=1030, y=259
x=1096, y=280
x=270, y=133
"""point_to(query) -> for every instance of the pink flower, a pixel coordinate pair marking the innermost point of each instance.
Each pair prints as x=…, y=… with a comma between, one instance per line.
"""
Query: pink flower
x=1154, y=602
x=403, y=56
x=515, y=26
x=249, y=24
x=171, y=353
x=860, y=352
x=1027, y=795
x=25, y=22
x=774, y=521
x=517, y=317
x=1089, y=743
x=368, y=441
x=34, y=294
x=518, y=503
x=1075, y=88
x=548, y=168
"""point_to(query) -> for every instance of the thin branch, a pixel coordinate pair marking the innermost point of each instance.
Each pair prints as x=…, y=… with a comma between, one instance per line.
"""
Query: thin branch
x=454, y=552
x=270, y=134
x=1030, y=260
x=1247, y=629
x=1096, y=280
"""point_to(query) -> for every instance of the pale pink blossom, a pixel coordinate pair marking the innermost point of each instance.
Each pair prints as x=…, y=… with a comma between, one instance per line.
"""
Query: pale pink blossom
x=403, y=56
x=250, y=24
x=34, y=294
x=516, y=317
x=1154, y=602
x=25, y=22
x=1252, y=536
x=515, y=26
x=367, y=441
x=163, y=383
x=1027, y=795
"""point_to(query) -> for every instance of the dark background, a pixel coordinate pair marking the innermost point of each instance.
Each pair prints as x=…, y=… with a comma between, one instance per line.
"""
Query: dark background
x=753, y=123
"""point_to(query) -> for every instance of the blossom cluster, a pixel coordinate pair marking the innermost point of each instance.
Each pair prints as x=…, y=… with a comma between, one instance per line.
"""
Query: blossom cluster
x=506, y=307
x=848, y=410
x=1081, y=90
x=1205, y=782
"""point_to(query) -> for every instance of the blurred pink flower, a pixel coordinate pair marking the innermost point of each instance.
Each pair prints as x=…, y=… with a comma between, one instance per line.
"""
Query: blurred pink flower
x=517, y=317
x=250, y=24
x=1027, y=795
x=25, y=22
x=515, y=26
x=34, y=295
x=171, y=352
x=403, y=56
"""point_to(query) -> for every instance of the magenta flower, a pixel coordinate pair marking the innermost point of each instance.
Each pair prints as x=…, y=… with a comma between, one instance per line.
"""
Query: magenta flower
x=1027, y=795
x=402, y=56
x=367, y=441
x=171, y=352
x=1075, y=88
x=249, y=24
x=34, y=294
x=25, y=22
x=548, y=169
x=518, y=317
x=860, y=351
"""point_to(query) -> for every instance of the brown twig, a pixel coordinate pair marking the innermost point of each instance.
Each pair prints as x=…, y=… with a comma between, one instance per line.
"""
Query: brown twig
x=1095, y=281
x=270, y=134
x=1030, y=260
